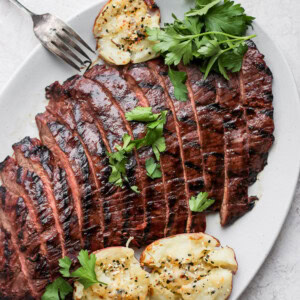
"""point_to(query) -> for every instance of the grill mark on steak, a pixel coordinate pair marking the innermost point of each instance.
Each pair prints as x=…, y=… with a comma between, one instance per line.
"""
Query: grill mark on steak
x=16, y=217
x=157, y=208
x=186, y=128
x=236, y=151
x=256, y=90
x=119, y=90
x=14, y=284
x=29, y=186
x=210, y=119
x=109, y=114
x=48, y=192
x=171, y=166
x=31, y=154
x=68, y=149
x=69, y=113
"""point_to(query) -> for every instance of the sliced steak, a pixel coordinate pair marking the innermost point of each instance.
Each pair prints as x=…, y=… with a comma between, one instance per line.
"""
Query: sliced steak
x=119, y=89
x=31, y=271
x=29, y=186
x=256, y=86
x=124, y=205
x=31, y=154
x=70, y=114
x=171, y=163
x=210, y=117
x=13, y=283
x=69, y=152
x=235, y=201
x=188, y=141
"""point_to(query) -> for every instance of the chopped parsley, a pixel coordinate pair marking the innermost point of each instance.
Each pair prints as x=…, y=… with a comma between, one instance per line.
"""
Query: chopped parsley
x=200, y=203
x=154, y=138
x=57, y=290
x=178, y=80
x=153, y=169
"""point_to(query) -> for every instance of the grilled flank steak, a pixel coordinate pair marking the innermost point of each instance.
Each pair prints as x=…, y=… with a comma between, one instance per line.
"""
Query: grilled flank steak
x=56, y=197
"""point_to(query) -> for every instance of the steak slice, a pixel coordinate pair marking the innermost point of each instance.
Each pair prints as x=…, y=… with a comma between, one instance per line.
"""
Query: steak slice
x=31, y=154
x=171, y=164
x=152, y=190
x=29, y=186
x=13, y=283
x=69, y=152
x=125, y=205
x=235, y=201
x=70, y=114
x=31, y=271
x=210, y=118
x=256, y=91
x=188, y=141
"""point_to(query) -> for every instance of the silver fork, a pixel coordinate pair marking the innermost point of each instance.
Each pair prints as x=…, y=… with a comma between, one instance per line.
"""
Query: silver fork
x=59, y=38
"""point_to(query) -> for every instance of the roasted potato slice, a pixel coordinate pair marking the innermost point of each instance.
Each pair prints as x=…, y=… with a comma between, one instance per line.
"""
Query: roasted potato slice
x=189, y=266
x=120, y=31
x=123, y=274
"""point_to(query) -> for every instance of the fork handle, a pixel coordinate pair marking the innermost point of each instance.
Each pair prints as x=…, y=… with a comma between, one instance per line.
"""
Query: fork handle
x=20, y=5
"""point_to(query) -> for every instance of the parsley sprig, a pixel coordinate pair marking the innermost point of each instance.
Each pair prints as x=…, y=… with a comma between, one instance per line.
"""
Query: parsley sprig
x=154, y=138
x=211, y=33
x=85, y=274
x=201, y=202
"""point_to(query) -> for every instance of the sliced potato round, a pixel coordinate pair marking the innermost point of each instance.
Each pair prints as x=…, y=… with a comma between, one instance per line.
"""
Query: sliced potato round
x=123, y=274
x=189, y=266
x=120, y=31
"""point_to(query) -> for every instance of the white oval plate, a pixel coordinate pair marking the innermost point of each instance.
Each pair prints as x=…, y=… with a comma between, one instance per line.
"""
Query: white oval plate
x=253, y=235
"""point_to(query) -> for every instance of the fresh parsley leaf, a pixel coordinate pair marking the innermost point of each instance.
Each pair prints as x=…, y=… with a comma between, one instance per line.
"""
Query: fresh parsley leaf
x=86, y=274
x=58, y=290
x=201, y=202
x=229, y=18
x=154, y=138
x=192, y=25
x=233, y=60
x=135, y=189
x=181, y=52
x=117, y=161
x=153, y=169
x=159, y=146
x=209, y=48
x=141, y=114
x=65, y=264
x=202, y=9
x=178, y=80
x=222, y=69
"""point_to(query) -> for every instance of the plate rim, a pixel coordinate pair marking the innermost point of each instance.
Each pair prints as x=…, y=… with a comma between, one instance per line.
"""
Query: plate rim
x=297, y=102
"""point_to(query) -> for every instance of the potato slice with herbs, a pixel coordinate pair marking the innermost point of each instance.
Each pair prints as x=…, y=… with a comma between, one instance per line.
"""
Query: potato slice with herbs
x=189, y=266
x=120, y=31
x=123, y=274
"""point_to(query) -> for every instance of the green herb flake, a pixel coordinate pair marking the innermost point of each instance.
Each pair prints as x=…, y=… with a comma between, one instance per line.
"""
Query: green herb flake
x=201, y=202
x=178, y=80
x=229, y=18
x=141, y=114
x=58, y=290
x=65, y=264
x=153, y=169
x=135, y=189
x=202, y=7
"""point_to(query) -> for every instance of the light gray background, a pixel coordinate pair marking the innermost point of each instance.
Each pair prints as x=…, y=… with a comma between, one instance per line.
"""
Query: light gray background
x=279, y=277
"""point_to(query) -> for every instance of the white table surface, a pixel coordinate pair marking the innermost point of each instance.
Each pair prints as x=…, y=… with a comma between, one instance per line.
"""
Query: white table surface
x=279, y=277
